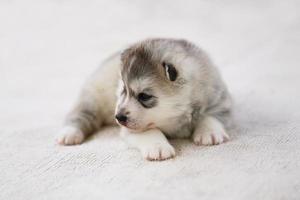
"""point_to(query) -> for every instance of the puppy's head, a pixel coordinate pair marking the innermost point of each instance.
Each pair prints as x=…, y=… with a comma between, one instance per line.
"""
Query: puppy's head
x=150, y=86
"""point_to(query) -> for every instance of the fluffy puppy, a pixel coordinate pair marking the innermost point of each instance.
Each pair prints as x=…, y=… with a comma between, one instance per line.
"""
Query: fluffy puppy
x=165, y=88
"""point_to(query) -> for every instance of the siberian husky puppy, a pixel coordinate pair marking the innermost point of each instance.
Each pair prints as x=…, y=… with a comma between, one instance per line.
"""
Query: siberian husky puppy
x=165, y=88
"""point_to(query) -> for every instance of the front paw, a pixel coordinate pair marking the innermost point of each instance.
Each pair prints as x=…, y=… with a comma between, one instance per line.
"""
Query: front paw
x=69, y=135
x=211, y=137
x=158, y=152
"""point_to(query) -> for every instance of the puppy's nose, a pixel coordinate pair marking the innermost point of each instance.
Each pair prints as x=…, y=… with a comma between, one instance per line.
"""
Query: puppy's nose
x=121, y=118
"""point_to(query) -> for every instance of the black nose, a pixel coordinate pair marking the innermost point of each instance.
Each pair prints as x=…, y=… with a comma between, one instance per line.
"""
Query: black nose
x=121, y=118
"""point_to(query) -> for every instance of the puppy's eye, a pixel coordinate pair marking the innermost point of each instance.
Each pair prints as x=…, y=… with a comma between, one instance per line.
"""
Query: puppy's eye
x=144, y=97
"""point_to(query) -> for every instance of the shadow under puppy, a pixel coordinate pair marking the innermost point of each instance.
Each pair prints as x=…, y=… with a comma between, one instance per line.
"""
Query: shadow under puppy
x=165, y=88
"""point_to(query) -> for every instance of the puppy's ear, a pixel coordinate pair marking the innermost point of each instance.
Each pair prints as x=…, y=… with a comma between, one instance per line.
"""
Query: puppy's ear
x=170, y=71
x=125, y=54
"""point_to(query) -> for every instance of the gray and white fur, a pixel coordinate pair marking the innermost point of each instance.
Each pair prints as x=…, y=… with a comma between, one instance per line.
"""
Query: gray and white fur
x=155, y=89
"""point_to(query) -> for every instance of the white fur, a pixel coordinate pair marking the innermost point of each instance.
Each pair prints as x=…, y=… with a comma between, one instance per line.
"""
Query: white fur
x=102, y=87
x=152, y=143
x=70, y=135
x=210, y=131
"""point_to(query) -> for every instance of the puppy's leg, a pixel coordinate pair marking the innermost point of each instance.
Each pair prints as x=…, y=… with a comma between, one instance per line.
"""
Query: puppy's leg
x=209, y=131
x=83, y=120
x=152, y=143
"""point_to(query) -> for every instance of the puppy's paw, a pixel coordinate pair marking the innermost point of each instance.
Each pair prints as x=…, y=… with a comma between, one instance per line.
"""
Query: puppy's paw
x=158, y=152
x=210, y=138
x=210, y=132
x=69, y=135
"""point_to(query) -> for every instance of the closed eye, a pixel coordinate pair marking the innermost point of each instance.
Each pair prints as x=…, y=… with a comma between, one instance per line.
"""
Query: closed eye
x=144, y=97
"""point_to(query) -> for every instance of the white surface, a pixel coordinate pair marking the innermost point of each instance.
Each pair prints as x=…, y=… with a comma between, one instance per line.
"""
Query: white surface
x=48, y=48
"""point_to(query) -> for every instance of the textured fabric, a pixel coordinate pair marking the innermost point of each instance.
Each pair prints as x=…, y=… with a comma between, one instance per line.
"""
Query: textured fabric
x=47, y=49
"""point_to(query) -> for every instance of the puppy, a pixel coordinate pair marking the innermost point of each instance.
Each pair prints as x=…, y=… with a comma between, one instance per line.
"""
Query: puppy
x=165, y=88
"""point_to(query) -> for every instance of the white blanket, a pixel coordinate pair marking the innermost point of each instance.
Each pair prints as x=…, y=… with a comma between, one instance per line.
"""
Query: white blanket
x=47, y=49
